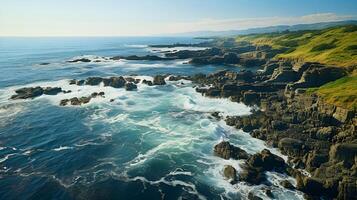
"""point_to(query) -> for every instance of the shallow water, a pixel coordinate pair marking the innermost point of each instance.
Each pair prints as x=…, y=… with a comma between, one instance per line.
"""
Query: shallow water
x=153, y=143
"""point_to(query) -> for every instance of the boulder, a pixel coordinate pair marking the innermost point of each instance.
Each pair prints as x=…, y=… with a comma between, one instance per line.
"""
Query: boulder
x=291, y=147
x=130, y=86
x=311, y=186
x=251, y=175
x=266, y=161
x=115, y=82
x=227, y=151
x=346, y=152
x=64, y=102
x=159, y=80
x=230, y=173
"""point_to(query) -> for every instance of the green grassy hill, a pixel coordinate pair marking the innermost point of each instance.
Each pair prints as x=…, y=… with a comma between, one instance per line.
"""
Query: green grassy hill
x=342, y=92
x=334, y=46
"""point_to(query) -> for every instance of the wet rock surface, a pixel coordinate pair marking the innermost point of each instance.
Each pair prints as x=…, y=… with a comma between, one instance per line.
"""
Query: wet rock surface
x=33, y=92
x=316, y=136
x=227, y=151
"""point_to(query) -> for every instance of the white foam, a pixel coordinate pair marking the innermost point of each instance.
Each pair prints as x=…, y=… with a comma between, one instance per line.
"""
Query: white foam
x=62, y=148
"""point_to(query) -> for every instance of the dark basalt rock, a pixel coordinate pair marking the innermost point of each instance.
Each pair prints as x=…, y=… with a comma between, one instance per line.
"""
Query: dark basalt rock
x=130, y=86
x=316, y=76
x=159, y=80
x=115, y=82
x=149, y=83
x=227, y=151
x=33, y=92
x=52, y=91
x=291, y=147
x=93, y=81
x=266, y=161
x=345, y=152
x=257, y=164
x=96, y=94
x=79, y=60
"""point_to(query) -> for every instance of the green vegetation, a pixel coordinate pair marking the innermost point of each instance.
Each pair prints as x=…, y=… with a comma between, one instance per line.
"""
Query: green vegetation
x=342, y=92
x=335, y=46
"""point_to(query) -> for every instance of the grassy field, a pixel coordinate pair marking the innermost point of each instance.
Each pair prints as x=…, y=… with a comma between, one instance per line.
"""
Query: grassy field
x=342, y=92
x=334, y=46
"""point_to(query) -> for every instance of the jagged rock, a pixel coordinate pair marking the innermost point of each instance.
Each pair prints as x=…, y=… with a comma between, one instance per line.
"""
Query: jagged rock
x=115, y=82
x=270, y=67
x=343, y=115
x=227, y=151
x=96, y=94
x=29, y=92
x=52, y=90
x=213, y=92
x=79, y=60
x=149, y=83
x=286, y=184
x=130, y=86
x=230, y=58
x=315, y=159
x=316, y=76
x=310, y=185
x=326, y=133
x=230, y=173
x=284, y=75
x=346, y=152
x=93, y=81
x=159, y=80
x=251, y=97
x=251, y=175
x=347, y=188
x=291, y=147
x=266, y=161
x=64, y=102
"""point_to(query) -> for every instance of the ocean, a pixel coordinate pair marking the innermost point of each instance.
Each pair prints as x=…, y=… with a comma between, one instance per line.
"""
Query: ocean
x=153, y=143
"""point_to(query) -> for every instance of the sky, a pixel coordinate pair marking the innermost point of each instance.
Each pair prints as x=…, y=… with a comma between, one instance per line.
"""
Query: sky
x=160, y=17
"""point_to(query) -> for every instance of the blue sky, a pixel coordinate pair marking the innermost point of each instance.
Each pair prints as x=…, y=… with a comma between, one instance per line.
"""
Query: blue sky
x=148, y=17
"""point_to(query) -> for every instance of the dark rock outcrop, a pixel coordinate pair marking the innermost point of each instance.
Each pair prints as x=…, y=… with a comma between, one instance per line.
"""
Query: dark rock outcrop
x=227, y=151
x=130, y=86
x=33, y=92
x=159, y=80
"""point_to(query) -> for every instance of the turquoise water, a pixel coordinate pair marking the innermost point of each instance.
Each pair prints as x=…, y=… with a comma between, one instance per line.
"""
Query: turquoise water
x=153, y=143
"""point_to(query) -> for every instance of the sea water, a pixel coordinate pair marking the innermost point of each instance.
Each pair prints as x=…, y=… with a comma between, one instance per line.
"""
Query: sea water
x=153, y=143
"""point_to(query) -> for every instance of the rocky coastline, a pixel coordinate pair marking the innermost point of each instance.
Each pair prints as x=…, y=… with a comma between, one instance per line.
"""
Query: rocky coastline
x=320, y=139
